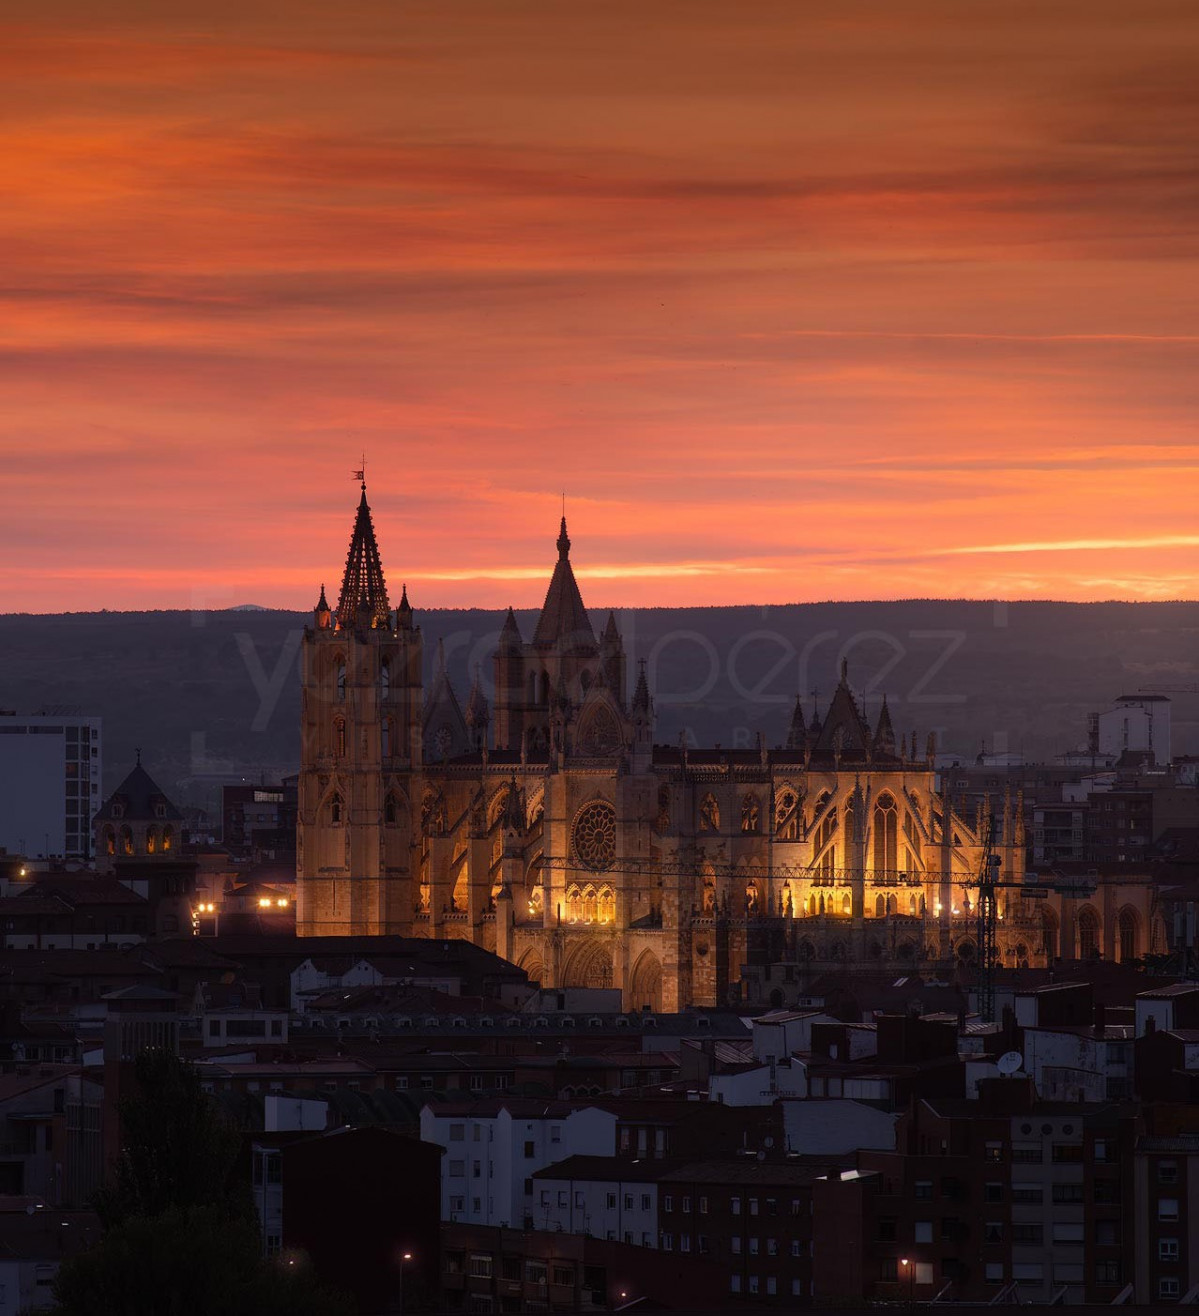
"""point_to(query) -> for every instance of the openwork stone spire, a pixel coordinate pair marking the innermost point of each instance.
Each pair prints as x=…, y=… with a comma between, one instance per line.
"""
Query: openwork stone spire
x=363, y=585
x=564, y=621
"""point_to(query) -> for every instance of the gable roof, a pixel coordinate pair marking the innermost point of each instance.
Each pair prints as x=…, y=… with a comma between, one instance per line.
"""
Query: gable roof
x=138, y=798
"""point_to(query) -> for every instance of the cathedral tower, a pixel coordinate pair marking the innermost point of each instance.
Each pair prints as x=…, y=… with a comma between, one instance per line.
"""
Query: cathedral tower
x=361, y=696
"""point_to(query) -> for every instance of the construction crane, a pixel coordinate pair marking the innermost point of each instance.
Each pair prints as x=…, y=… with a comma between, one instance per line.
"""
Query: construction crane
x=988, y=884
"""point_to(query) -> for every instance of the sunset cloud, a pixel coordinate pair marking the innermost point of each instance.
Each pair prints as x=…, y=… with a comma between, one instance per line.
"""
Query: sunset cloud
x=793, y=303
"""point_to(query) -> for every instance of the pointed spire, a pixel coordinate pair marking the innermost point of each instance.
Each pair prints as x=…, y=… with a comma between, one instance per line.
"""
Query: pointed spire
x=564, y=622
x=363, y=587
x=641, y=694
x=477, y=712
x=797, y=737
x=510, y=641
x=611, y=636
x=884, y=733
x=404, y=611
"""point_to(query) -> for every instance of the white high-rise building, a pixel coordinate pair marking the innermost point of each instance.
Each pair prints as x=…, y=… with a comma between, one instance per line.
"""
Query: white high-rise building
x=49, y=784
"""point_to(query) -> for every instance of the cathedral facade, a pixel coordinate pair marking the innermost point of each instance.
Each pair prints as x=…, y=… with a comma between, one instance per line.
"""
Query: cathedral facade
x=547, y=825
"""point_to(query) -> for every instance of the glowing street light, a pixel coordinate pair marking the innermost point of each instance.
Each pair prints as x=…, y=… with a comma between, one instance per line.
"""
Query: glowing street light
x=404, y=1258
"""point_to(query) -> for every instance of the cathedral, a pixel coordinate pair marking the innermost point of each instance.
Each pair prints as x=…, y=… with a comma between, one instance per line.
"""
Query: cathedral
x=547, y=825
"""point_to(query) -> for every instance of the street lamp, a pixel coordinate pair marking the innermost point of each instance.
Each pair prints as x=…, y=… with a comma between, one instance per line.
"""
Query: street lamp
x=404, y=1257
x=909, y=1268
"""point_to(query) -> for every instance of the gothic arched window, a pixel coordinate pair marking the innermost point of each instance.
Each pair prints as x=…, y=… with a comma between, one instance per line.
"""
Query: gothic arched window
x=886, y=835
x=339, y=737
x=151, y=840
x=709, y=814
x=390, y=810
x=385, y=737
x=168, y=838
x=1127, y=928
x=126, y=840
x=385, y=678
x=1088, y=935
x=607, y=905
x=335, y=809
x=574, y=905
x=109, y=841
x=749, y=813
x=341, y=681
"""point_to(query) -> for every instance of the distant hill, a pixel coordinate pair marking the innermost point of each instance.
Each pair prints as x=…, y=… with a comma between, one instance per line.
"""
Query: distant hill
x=211, y=696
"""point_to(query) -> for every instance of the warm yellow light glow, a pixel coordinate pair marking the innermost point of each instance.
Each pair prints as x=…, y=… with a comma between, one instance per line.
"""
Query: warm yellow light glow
x=24, y=871
x=264, y=903
x=281, y=903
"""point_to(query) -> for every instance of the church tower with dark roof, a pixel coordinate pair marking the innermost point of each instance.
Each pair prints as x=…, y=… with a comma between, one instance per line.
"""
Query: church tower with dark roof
x=361, y=735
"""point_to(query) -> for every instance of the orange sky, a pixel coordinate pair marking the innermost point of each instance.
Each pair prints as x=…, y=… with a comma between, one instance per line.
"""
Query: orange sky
x=795, y=301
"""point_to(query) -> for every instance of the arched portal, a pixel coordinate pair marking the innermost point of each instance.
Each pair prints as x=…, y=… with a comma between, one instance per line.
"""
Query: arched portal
x=531, y=963
x=1088, y=934
x=645, y=985
x=589, y=964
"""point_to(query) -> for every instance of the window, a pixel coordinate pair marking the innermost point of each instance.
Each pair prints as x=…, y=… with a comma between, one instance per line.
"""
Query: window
x=703, y=1206
x=993, y=1231
x=735, y=1244
x=1065, y=1231
x=1027, y=1153
x=753, y=1206
x=753, y=1247
x=536, y=1272
x=886, y=1229
x=772, y=1247
x=772, y=1206
x=1032, y=1272
x=667, y=1242
x=992, y=1192
x=1028, y=1234
x=684, y=1242
x=457, y=1169
x=1067, y=1192
x=753, y=1283
x=1106, y=1191
x=1107, y=1233
x=1167, y=1171
x=645, y=1201
x=1167, y=1208
x=667, y=1203
x=530, y=1151
x=628, y=1201
x=734, y=1283
x=1167, y=1249
x=735, y=1205
x=1099, y=1150
x=480, y=1266
x=563, y=1275
x=1067, y=1153
x=1107, y=1272
x=771, y=1284
x=1067, y=1272
x=686, y=1205
x=923, y=1231
x=994, y=1272
x=611, y=1201
x=458, y=1133
x=1168, y=1287
x=993, y=1153
x=923, y=1191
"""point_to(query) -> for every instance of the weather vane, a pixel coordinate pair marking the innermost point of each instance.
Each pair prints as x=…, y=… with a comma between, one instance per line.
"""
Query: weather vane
x=360, y=474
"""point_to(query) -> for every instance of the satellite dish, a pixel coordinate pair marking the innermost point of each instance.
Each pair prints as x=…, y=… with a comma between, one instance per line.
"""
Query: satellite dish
x=1009, y=1062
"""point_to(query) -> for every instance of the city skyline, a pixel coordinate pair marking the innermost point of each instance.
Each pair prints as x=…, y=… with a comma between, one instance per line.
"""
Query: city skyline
x=792, y=306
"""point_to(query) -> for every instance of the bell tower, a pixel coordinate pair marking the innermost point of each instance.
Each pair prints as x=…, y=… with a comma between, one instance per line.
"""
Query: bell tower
x=361, y=696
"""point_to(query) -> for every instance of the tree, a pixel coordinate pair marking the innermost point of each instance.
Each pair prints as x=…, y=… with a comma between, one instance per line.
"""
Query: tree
x=181, y=1231
x=188, y=1262
x=176, y=1151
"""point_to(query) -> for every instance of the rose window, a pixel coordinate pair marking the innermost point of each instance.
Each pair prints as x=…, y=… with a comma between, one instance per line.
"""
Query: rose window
x=595, y=836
